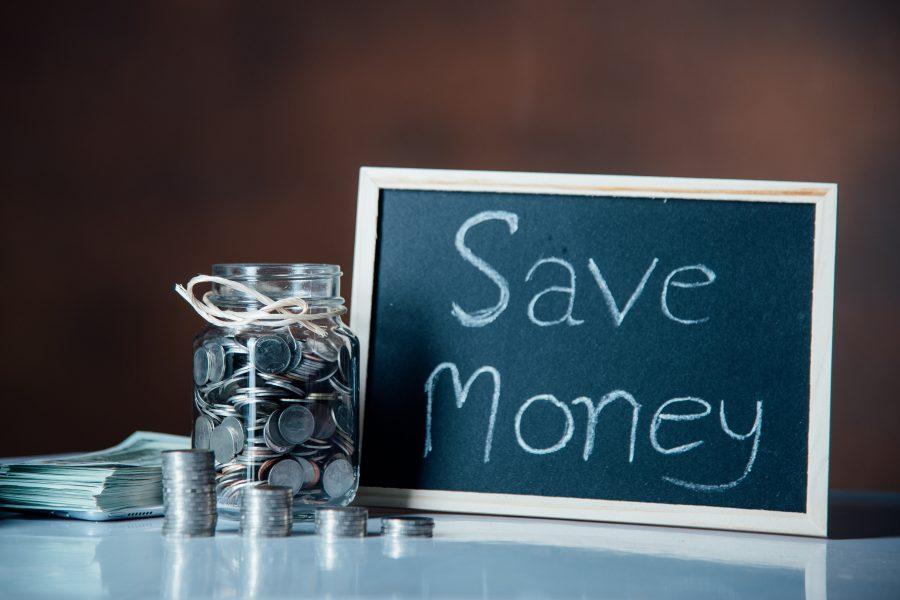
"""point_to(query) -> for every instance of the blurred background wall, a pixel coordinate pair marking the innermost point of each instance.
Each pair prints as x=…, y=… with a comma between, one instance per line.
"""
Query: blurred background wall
x=144, y=141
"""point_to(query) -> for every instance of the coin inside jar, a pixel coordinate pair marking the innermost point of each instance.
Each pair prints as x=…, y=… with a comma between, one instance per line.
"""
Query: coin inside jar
x=223, y=444
x=203, y=428
x=311, y=472
x=296, y=424
x=272, y=435
x=273, y=355
x=343, y=417
x=237, y=429
x=338, y=477
x=216, y=354
x=201, y=366
x=287, y=473
x=263, y=473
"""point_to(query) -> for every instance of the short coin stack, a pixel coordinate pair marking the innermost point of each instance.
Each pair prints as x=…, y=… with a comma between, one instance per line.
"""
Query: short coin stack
x=189, y=493
x=346, y=521
x=403, y=526
x=267, y=511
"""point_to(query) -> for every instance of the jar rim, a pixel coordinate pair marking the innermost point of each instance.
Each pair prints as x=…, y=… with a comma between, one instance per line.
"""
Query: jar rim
x=255, y=271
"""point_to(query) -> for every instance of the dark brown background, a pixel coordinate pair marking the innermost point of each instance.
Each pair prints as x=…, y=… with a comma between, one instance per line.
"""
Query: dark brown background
x=145, y=141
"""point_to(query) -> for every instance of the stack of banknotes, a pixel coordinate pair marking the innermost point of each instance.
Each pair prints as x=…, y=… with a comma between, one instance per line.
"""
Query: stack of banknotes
x=114, y=483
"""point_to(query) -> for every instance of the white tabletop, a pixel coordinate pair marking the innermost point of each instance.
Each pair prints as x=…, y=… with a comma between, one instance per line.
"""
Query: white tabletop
x=469, y=557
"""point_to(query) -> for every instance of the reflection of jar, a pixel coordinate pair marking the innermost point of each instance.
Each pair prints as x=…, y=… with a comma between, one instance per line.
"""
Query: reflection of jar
x=278, y=402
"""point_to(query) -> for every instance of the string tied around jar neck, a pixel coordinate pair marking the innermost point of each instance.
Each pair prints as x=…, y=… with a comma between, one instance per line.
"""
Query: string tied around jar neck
x=274, y=313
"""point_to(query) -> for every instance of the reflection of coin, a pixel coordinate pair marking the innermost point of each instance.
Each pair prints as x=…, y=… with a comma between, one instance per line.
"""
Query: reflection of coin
x=338, y=477
x=324, y=423
x=216, y=361
x=407, y=526
x=288, y=473
x=201, y=366
x=203, y=428
x=273, y=355
x=296, y=424
x=345, y=362
x=343, y=416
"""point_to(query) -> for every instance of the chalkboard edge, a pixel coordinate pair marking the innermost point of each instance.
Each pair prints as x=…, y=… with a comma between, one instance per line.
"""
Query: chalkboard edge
x=583, y=509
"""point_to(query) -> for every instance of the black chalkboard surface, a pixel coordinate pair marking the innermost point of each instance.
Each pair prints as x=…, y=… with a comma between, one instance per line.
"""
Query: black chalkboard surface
x=637, y=350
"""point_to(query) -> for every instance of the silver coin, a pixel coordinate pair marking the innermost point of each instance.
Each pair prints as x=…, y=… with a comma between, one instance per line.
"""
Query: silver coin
x=310, y=471
x=223, y=444
x=237, y=429
x=273, y=354
x=343, y=417
x=175, y=458
x=201, y=366
x=273, y=437
x=216, y=361
x=338, y=386
x=296, y=424
x=338, y=477
x=296, y=353
x=343, y=444
x=203, y=428
x=287, y=473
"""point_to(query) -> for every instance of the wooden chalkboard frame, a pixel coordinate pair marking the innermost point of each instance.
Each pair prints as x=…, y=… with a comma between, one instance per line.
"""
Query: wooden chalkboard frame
x=822, y=195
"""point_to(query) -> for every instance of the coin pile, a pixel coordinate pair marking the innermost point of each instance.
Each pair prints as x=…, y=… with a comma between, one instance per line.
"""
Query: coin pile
x=403, y=526
x=189, y=496
x=278, y=407
x=266, y=511
x=341, y=521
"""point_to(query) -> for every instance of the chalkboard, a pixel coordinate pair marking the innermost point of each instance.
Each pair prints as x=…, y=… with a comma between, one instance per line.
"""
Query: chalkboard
x=581, y=353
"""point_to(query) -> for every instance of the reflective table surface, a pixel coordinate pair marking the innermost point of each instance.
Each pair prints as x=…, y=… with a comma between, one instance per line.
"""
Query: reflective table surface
x=469, y=557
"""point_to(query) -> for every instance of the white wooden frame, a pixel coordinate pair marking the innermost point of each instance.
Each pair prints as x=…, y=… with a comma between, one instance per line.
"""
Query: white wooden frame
x=824, y=196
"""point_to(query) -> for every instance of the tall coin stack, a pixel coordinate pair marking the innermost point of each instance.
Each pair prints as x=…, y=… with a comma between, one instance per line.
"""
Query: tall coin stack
x=347, y=521
x=189, y=493
x=267, y=511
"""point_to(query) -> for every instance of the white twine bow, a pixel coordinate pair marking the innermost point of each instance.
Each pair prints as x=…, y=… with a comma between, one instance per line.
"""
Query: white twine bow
x=280, y=313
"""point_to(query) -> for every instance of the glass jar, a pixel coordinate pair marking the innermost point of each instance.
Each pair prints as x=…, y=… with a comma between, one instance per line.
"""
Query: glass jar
x=279, y=404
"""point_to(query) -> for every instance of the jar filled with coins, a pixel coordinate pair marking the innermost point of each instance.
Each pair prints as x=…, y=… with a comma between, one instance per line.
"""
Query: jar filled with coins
x=275, y=383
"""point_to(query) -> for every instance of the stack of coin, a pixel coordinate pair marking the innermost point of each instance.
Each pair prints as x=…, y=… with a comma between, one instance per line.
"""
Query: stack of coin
x=337, y=521
x=267, y=511
x=404, y=526
x=189, y=493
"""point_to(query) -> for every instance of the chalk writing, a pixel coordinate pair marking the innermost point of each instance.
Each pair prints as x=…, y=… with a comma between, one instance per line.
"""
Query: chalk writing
x=676, y=413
